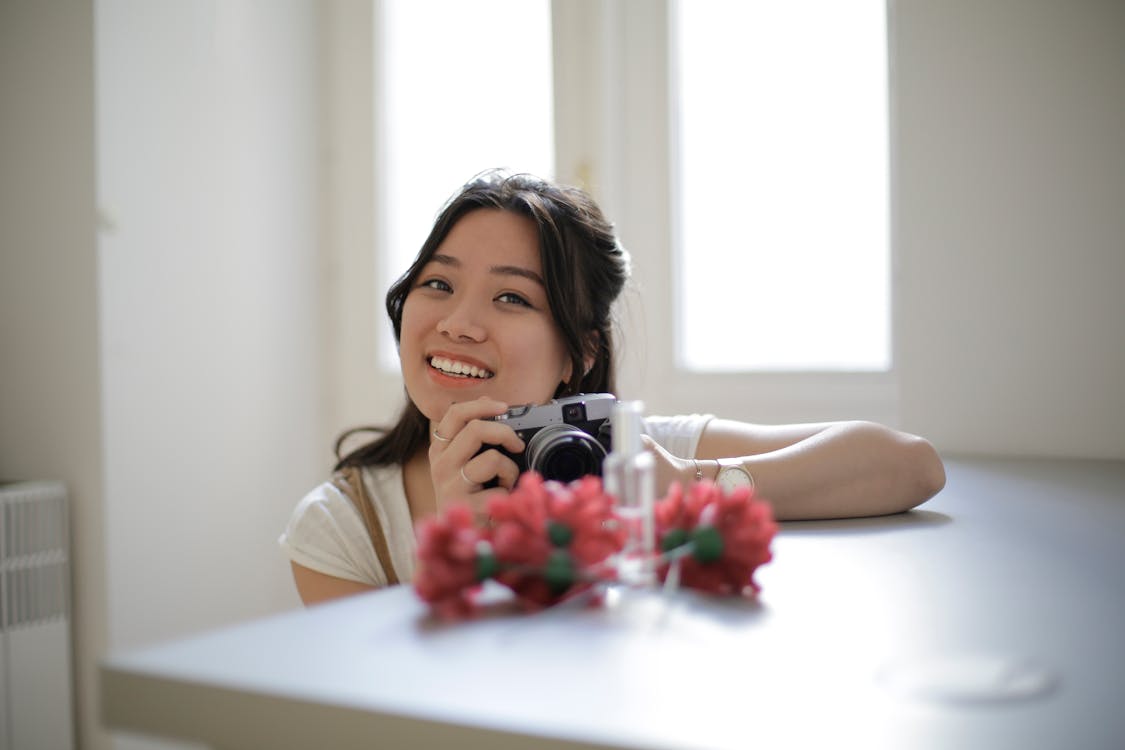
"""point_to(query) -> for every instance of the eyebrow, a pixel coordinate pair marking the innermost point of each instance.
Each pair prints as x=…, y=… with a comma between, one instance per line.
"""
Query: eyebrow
x=526, y=273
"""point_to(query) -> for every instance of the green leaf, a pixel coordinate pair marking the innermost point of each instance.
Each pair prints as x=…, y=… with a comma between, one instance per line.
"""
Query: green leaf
x=708, y=544
x=559, y=533
x=559, y=572
x=487, y=566
x=672, y=539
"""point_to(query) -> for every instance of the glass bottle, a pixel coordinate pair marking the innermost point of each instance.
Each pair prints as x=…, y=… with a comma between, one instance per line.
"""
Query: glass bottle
x=629, y=475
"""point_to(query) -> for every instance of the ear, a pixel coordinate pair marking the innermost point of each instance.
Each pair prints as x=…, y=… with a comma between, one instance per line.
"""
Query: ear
x=592, y=344
x=593, y=338
x=567, y=371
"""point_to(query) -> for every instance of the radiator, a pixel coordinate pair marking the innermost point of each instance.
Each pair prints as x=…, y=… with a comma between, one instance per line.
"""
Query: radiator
x=36, y=702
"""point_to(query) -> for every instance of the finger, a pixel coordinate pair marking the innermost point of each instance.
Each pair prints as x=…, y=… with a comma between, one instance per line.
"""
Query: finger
x=669, y=468
x=460, y=414
x=470, y=441
x=498, y=467
x=481, y=499
x=466, y=478
x=489, y=467
x=454, y=489
x=478, y=503
x=463, y=412
x=483, y=432
x=471, y=483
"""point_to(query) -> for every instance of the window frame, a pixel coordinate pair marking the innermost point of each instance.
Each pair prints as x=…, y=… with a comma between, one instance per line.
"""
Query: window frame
x=614, y=134
x=613, y=62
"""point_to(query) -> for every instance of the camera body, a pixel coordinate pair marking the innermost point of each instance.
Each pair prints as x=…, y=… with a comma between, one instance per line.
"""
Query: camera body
x=565, y=438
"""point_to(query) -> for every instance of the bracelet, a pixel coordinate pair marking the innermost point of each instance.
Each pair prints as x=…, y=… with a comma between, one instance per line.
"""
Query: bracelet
x=698, y=471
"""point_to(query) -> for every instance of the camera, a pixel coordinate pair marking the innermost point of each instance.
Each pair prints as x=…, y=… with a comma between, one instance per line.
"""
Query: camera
x=565, y=439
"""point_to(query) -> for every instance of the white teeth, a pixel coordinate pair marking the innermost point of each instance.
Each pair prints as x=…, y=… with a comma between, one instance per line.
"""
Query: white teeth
x=453, y=367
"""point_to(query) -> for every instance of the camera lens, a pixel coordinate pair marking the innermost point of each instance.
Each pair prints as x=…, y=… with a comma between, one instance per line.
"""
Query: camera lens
x=564, y=453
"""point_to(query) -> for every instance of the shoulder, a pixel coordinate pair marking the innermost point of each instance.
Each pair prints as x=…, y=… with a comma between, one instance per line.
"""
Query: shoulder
x=385, y=488
x=678, y=434
x=669, y=427
x=325, y=514
x=326, y=531
x=383, y=485
x=327, y=500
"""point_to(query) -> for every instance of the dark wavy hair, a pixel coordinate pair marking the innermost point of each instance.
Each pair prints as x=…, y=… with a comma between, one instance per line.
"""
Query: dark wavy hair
x=584, y=270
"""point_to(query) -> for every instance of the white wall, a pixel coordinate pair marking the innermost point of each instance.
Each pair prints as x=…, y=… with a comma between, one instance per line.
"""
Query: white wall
x=50, y=375
x=209, y=290
x=161, y=314
x=356, y=390
x=209, y=302
x=1010, y=224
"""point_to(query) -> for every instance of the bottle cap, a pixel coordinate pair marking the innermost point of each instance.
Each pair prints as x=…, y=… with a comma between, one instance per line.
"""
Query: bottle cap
x=627, y=427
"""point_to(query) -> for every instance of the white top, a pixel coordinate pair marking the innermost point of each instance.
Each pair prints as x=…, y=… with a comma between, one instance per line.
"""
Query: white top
x=326, y=533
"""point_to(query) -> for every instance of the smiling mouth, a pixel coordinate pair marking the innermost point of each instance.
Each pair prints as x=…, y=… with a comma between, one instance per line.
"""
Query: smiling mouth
x=459, y=369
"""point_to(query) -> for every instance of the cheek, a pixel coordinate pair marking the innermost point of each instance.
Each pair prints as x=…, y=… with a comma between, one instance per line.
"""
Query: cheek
x=562, y=357
x=567, y=368
x=409, y=313
x=412, y=320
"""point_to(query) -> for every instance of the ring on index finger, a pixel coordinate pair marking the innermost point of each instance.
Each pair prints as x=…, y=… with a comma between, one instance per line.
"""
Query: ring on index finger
x=439, y=438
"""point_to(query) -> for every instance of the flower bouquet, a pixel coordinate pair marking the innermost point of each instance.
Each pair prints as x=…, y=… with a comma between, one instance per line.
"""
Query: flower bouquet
x=547, y=541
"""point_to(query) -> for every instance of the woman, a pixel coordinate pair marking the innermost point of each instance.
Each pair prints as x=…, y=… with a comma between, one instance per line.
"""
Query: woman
x=509, y=302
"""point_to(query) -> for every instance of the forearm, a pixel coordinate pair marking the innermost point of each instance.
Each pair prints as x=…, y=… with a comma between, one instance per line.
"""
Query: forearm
x=841, y=470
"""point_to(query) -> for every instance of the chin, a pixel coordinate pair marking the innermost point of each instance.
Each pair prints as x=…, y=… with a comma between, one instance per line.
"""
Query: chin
x=429, y=406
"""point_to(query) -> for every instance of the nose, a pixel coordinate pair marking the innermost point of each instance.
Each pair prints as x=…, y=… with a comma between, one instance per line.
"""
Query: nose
x=462, y=324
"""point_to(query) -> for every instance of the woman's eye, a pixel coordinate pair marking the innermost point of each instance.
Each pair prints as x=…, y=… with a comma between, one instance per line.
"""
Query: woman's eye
x=437, y=284
x=513, y=299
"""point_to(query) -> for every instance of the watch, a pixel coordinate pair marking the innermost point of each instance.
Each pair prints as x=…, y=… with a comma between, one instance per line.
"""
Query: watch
x=732, y=475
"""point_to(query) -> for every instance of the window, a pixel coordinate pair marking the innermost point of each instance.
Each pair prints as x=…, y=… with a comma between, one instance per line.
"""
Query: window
x=464, y=87
x=741, y=148
x=781, y=178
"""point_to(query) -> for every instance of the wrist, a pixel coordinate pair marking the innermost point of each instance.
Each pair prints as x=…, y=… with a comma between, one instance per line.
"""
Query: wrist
x=703, y=468
x=694, y=472
x=732, y=473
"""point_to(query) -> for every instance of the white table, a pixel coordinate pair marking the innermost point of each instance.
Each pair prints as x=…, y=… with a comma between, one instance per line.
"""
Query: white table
x=870, y=633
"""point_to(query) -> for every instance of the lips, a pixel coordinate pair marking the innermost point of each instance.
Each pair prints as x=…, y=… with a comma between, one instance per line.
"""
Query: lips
x=459, y=368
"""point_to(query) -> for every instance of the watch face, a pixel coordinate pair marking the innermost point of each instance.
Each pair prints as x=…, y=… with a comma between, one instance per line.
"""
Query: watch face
x=732, y=477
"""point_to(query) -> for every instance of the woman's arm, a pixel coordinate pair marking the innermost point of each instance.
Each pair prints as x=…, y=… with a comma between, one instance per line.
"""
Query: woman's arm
x=315, y=587
x=835, y=470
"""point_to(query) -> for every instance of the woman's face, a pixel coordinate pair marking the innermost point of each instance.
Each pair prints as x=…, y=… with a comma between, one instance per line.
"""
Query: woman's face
x=477, y=323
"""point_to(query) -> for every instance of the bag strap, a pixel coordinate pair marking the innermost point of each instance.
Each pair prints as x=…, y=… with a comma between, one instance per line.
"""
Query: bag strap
x=350, y=481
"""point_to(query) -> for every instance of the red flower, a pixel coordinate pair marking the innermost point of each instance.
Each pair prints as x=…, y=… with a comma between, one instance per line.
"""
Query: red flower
x=548, y=537
x=453, y=559
x=730, y=536
x=548, y=541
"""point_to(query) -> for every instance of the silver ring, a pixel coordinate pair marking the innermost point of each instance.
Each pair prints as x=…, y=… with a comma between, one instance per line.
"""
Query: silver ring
x=440, y=438
x=467, y=480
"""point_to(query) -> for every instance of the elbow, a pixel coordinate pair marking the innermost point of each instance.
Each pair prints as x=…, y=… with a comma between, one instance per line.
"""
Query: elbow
x=924, y=470
x=912, y=471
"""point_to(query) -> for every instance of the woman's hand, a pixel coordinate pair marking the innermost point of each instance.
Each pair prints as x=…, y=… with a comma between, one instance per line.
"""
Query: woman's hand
x=669, y=468
x=456, y=469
